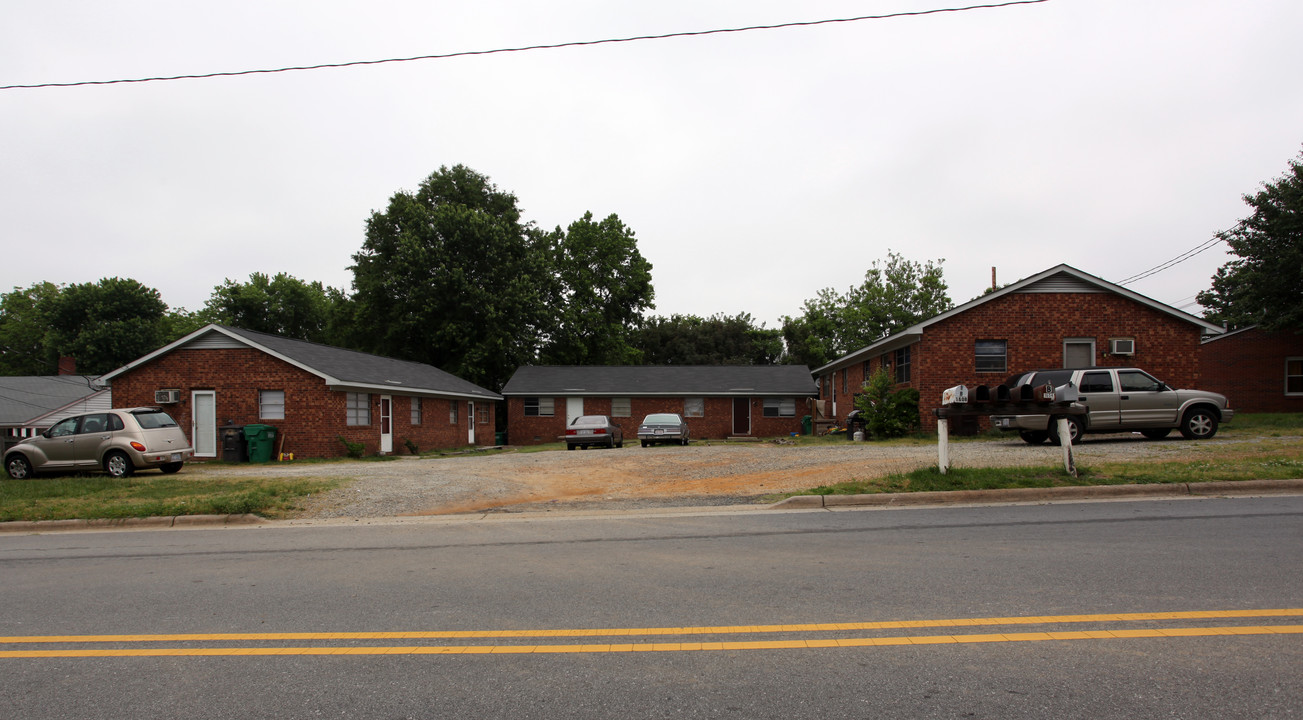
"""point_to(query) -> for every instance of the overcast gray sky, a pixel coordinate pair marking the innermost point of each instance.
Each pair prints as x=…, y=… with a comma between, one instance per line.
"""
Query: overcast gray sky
x=754, y=167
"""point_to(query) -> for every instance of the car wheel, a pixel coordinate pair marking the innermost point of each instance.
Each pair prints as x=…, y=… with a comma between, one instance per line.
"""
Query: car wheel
x=684, y=442
x=1198, y=424
x=171, y=468
x=1074, y=430
x=118, y=465
x=18, y=467
x=1156, y=433
x=1033, y=437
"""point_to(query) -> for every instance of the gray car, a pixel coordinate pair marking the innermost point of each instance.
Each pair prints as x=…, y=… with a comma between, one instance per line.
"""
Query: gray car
x=663, y=428
x=588, y=430
x=1120, y=399
x=119, y=441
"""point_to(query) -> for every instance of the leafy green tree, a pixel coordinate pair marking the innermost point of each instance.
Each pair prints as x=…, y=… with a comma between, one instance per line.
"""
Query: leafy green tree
x=886, y=411
x=107, y=324
x=716, y=340
x=179, y=322
x=281, y=305
x=604, y=285
x=24, y=331
x=891, y=298
x=450, y=276
x=1262, y=287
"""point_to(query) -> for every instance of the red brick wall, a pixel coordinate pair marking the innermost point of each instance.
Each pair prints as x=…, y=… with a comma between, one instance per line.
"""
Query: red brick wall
x=1249, y=369
x=717, y=421
x=314, y=416
x=1034, y=326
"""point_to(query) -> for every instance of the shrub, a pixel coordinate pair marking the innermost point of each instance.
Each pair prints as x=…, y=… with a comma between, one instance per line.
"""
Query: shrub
x=886, y=411
x=411, y=446
x=352, y=449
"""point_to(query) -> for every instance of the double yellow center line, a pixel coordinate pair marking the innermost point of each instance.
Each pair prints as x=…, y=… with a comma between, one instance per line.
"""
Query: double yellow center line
x=329, y=643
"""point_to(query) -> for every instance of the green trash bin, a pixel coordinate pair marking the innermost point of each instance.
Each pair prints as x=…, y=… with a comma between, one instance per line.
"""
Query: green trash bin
x=260, y=439
x=807, y=425
x=499, y=438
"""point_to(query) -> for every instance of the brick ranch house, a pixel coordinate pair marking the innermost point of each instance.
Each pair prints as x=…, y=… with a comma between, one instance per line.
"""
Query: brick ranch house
x=716, y=401
x=1259, y=371
x=1061, y=317
x=312, y=394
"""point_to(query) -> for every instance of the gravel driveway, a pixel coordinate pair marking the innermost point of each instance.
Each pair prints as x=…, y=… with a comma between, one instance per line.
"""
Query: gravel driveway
x=636, y=477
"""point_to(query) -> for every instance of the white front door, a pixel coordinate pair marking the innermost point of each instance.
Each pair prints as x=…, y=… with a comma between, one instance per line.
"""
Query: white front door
x=203, y=422
x=470, y=422
x=574, y=408
x=386, y=424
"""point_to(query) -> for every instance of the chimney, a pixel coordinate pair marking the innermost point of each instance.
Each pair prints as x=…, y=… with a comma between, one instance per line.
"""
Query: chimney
x=993, y=285
x=67, y=365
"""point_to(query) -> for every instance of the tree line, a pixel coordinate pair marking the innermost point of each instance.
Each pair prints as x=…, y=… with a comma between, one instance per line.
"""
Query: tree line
x=453, y=276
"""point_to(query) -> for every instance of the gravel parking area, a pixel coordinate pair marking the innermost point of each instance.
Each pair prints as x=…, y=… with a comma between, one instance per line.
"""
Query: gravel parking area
x=664, y=476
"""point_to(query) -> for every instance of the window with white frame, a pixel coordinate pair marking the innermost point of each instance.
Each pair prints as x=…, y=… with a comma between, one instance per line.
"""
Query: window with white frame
x=357, y=408
x=1294, y=376
x=452, y=411
x=482, y=409
x=271, y=404
x=902, y=364
x=780, y=407
x=621, y=407
x=992, y=356
x=694, y=407
x=416, y=411
x=539, y=407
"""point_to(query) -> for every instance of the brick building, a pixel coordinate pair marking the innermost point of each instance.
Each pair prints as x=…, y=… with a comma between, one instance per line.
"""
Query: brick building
x=1258, y=371
x=312, y=394
x=716, y=401
x=1061, y=317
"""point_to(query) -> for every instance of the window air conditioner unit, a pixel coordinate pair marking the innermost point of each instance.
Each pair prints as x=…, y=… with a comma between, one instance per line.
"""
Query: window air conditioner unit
x=166, y=397
x=1121, y=346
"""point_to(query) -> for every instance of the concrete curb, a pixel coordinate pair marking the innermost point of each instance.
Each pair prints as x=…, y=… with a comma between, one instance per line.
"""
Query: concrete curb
x=1022, y=495
x=129, y=523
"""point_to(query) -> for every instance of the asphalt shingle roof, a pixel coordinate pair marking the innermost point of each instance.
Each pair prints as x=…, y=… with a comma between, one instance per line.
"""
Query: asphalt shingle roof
x=676, y=380
x=25, y=397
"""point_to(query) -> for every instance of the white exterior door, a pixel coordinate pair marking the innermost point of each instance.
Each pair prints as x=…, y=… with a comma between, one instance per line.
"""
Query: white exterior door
x=470, y=422
x=574, y=408
x=386, y=424
x=203, y=422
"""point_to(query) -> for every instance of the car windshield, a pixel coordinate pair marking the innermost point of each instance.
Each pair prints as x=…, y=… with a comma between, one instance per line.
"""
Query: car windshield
x=662, y=419
x=590, y=420
x=151, y=419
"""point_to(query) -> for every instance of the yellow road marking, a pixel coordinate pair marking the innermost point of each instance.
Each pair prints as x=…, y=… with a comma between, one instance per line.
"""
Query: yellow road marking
x=658, y=647
x=633, y=632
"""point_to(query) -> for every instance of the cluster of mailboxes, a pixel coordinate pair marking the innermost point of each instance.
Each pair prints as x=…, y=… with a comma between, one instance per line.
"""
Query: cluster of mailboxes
x=1002, y=394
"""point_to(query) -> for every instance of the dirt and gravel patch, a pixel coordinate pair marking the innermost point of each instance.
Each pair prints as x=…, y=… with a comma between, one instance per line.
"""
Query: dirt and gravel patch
x=664, y=476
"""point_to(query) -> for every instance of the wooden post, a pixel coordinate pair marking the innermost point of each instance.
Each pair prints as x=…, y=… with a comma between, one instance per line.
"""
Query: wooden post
x=943, y=444
x=1065, y=440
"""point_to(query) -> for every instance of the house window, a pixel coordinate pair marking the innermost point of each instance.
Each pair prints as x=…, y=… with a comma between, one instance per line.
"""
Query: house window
x=694, y=407
x=271, y=404
x=358, y=408
x=539, y=407
x=452, y=412
x=1294, y=376
x=780, y=407
x=902, y=365
x=482, y=409
x=992, y=356
x=621, y=407
x=416, y=411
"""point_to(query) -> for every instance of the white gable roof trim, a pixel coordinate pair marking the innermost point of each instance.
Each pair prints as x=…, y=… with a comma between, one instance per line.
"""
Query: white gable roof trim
x=1058, y=279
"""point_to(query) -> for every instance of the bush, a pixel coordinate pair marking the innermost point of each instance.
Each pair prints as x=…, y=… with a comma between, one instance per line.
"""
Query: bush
x=886, y=411
x=353, y=449
x=411, y=446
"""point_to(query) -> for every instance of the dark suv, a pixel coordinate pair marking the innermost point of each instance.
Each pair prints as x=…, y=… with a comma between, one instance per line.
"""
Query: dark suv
x=1120, y=400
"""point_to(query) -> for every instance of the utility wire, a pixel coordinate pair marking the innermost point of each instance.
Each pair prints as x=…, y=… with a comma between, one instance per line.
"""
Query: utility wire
x=554, y=46
x=1211, y=242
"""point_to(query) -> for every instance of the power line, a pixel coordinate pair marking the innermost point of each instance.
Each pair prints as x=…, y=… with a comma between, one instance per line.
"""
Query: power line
x=553, y=46
x=1174, y=261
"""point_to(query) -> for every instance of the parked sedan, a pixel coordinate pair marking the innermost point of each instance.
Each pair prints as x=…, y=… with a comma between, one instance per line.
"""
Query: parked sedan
x=119, y=441
x=663, y=428
x=588, y=430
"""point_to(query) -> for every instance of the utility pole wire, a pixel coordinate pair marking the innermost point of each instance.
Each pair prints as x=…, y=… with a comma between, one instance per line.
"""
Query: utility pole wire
x=527, y=48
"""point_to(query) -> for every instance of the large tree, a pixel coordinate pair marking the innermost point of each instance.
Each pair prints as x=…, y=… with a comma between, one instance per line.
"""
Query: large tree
x=25, y=332
x=604, y=284
x=450, y=276
x=281, y=305
x=716, y=340
x=892, y=297
x=107, y=324
x=1264, y=286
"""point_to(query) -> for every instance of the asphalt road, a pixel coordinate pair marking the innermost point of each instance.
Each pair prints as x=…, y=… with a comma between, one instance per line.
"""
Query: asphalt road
x=987, y=612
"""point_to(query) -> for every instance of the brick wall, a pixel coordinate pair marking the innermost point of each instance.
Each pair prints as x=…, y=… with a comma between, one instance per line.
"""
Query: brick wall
x=1034, y=326
x=1248, y=367
x=314, y=415
x=716, y=422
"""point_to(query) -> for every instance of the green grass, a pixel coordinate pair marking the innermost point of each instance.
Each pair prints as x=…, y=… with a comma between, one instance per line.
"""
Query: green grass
x=148, y=495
